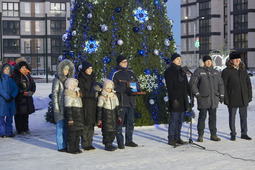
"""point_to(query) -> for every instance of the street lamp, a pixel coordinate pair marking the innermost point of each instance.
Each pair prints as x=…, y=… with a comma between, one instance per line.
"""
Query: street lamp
x=195, y=26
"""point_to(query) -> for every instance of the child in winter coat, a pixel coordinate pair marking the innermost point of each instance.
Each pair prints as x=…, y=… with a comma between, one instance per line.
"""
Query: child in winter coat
x=74, y=115
x=108, y=114
x=8, y=91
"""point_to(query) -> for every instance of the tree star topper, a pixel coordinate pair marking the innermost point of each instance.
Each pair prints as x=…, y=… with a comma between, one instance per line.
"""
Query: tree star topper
x=140, y=15
x=91, y=46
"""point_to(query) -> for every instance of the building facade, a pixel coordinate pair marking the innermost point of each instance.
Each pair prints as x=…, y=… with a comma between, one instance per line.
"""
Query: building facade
x=33, y=29
x=218, y=25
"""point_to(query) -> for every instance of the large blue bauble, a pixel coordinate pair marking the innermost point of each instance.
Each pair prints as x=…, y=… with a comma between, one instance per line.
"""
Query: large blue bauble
x=156, y=2
x=135, y=29
x=147, y=71
x=170, y=38
x=117, y=10
x=141, y=52
x=71, y=53
x=107, y=59
x=92, y=38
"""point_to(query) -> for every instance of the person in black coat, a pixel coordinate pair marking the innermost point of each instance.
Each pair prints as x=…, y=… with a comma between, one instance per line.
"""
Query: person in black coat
x=24, y=101
x=238, y=93
x=121, y=75
x=74, y=115
x=86, y=80
x=178, y=90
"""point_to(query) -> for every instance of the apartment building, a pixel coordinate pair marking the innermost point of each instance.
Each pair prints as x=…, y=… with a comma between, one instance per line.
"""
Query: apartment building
x=33, y=29
x=218, y=25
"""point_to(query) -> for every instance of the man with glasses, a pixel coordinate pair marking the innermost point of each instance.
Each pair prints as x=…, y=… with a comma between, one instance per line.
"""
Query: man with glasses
x=121, y=75
x=238, y=93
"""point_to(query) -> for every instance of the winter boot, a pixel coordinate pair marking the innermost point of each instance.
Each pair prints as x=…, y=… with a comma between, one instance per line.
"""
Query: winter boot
x=181, y=142
x=172, y=143
x=131, y=144
x=233, y=137
x=200, y=138
x=121, y=146
x=245, y=137
x=109, y=147
x=215, y=138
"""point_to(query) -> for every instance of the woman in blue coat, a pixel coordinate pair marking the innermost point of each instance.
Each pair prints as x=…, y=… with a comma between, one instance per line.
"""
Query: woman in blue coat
x=8, y=91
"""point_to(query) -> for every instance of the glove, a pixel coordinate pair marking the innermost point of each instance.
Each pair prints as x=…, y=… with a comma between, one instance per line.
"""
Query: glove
x=221, y=99
x=9, y=100
x=119, y=122
x=199, y=98
x=100, y=124
x=77, y=89
x=28, y=93
x=129, y=91
x=70, y=123
x=97, y=88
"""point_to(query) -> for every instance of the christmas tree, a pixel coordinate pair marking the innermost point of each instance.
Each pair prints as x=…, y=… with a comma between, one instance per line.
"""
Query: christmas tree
x=100, y=30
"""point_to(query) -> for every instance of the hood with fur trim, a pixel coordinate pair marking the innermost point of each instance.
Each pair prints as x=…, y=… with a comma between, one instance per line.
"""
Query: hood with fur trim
x=3, y=66
x=70, y=83
x=230, y=65
x=60, y=70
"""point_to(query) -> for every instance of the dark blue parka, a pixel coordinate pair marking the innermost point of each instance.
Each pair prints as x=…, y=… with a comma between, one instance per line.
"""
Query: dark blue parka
x=8, y=89
x=120, y=76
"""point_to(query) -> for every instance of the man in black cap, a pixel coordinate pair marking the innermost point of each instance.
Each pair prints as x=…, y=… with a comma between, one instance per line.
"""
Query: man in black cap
x=238, y=93
x=207, y=85
x=178, y=90
x=121, y=75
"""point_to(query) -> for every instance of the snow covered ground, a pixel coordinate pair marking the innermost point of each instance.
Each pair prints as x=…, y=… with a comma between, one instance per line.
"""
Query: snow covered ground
x=39, y=151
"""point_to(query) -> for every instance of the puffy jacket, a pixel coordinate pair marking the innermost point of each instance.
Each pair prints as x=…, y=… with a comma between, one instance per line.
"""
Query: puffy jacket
x=237, y=84
x=120, y=76
x=58, y=89
x=8, y=89
x=24, y=103
x=208, y=83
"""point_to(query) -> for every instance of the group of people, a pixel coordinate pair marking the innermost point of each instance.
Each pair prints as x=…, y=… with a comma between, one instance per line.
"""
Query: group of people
x=232, y=86
x=16, y=90
x=78, y=104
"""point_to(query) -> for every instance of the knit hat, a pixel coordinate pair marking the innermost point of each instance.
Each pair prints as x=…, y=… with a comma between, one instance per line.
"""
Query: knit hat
x=174, y=56
x=206, y=57
x=22, y=63
x=86, y=65
x=120, y=58
x=70, y=83
x=234, y=55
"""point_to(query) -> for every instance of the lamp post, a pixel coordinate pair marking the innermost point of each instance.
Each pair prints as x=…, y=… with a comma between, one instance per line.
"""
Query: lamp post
x=195, y=30
x=46, y=47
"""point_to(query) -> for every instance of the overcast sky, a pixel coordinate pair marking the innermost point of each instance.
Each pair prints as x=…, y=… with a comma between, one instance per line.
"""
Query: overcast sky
x=174, y=13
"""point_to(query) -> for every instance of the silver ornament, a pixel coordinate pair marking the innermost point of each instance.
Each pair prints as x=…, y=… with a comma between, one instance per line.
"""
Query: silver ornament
x=120, y=42
x=104, y=28
x=149, y=28
x=60, y=58
x=166, y=98
x=156, y=52
x=167, y=42
x=89, y=15
x=151, y=101
x=74, y=33
x=64, y=37
x=80, y=67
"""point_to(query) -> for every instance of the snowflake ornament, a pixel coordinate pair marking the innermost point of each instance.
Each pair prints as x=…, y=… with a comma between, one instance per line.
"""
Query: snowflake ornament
x=140, y=15
x=91, y=46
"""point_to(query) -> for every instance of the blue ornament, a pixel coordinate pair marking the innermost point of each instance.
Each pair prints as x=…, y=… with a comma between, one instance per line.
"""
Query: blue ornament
x=171, y=38
x=141, y=52
x=138, y=115
x=92, y=38
x=135, y=29
x=156, y=2
x=71, y=53
x=107, y=60
x=50, y=96
x=147, y=71
x=165, y=0
x=118, y=10
x=168, y=61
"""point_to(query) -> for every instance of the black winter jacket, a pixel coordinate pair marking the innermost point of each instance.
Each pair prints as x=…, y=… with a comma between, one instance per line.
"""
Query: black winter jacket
x=120, y=76
x=88, y=97
x=237, y=85
x=177, y=87
x=24, y=104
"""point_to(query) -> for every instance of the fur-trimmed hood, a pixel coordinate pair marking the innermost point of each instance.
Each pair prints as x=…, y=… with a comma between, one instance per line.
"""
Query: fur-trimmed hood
x=230, y=65
x=3, y=66
x=60, y=70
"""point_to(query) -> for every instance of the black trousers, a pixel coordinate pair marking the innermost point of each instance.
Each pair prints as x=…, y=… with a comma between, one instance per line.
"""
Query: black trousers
x=21, y=122
x=87, y=135
x=108, y=137
x=73, y=140
x=211, y=121
x=243, y=120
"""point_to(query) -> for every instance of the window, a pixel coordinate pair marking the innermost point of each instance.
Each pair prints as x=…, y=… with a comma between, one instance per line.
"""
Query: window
x=27, y=26
x=240, y=5
x=27, y=8
x=205, y=43
x=37, y=8
x=11, y=46
x=241, y=40
x=205, y=25
x=57, y=45
x=241, y=21
x=58, y=27
x=57, y=6
x=11, y=27
x=204, y=8
x=37, y=26
x=27, y=46
x=11, y=9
